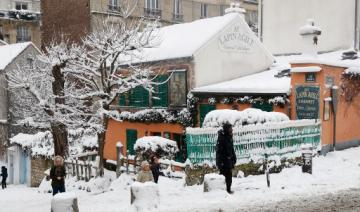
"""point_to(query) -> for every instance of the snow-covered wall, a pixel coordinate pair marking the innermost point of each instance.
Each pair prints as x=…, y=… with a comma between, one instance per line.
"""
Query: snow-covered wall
x=283, y=18
x=232, y=53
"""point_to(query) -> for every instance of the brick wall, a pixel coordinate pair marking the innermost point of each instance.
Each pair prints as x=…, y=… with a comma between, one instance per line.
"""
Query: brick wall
x=38, y=167
x=69, y=19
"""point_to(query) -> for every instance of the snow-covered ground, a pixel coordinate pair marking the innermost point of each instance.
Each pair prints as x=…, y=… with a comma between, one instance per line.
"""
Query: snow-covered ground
x=334, y=173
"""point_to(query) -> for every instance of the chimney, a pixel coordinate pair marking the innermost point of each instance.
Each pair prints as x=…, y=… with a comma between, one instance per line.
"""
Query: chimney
x=235, y=7
x=310, y=36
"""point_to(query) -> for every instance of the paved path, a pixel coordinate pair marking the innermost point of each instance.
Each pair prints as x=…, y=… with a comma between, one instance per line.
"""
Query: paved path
x=342, y=201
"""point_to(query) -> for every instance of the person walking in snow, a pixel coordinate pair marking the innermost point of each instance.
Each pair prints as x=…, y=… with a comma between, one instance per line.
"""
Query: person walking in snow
x=225, y=154
x=155, y=168
x=57, y=175
x=4, y=175
x=145, y=174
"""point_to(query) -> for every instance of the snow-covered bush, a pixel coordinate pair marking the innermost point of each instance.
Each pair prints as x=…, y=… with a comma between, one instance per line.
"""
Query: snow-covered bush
x=217, y=118
x=149, y=145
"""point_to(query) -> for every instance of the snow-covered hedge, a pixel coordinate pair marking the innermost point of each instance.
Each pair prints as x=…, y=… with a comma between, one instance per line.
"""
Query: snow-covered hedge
x=217, y=118
x=352, y=71
x=160, y=146
x=155, y=115
x=41, y=143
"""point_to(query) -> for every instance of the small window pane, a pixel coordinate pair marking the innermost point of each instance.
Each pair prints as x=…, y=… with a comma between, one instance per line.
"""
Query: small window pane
x=178, y=89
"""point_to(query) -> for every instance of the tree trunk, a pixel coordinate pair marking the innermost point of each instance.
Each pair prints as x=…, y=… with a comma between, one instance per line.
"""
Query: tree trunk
x=59, y=130
x=60, y=136
x=101, y=144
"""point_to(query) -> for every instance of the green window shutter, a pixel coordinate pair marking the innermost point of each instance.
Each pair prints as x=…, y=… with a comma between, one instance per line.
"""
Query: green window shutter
x=160, y=95
x=205, y=109
x=139, y=97
x=122, y=100
x=263, y=106
x=131, y=137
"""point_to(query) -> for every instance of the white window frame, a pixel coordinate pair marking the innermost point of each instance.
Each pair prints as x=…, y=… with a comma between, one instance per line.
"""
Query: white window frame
x=152, y=4
x=21, y=3
x=177, y=7
x=204, y=10
x=22, y=32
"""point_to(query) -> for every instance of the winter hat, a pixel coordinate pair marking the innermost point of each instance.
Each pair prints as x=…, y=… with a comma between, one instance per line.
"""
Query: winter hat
x=226, y=126
x=144, y=163
x=59, y=157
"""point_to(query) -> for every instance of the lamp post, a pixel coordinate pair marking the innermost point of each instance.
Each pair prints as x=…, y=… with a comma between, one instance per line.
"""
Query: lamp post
x=334, y=101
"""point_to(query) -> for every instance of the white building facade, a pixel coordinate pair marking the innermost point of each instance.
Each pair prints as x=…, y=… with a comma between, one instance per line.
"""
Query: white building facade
x=281, y=19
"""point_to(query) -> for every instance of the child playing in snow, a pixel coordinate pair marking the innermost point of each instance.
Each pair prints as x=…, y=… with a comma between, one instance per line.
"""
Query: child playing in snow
x=57, y=175
x=155, y=168
x=145, y=174
x=4, y=175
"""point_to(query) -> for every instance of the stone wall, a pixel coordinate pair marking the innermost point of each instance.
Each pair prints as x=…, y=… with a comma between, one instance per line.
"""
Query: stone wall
x=38, y=167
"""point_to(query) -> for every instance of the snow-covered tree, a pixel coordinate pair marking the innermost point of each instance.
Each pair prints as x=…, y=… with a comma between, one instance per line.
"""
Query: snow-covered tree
x=108, y=65
x=41, y=97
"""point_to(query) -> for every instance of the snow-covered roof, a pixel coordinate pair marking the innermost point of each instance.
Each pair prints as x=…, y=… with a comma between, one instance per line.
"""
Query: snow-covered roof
x=9, y=52
x=332, y=59
x=306, y=69
x=154, y=143
x=261, y=83
x=183, y=40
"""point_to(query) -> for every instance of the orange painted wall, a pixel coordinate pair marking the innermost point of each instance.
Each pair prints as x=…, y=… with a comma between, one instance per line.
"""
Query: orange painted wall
x=348, y=115
x=117, y=132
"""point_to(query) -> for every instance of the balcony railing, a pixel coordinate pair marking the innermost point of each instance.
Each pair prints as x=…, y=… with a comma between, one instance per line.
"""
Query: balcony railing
x=178, y=17
x=114, y=8
x=20, y=39
x=152, y=13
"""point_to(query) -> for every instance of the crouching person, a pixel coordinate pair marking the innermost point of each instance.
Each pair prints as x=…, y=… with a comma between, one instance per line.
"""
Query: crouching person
x=145, y=174
x=57, y=175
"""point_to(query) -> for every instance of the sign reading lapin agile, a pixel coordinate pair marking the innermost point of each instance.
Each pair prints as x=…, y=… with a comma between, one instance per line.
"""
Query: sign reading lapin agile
x=236, y=39
x=307, y=102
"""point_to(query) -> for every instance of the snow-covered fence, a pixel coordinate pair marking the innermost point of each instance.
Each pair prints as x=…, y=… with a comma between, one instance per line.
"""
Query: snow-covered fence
x=81, y=169
x=253, y=141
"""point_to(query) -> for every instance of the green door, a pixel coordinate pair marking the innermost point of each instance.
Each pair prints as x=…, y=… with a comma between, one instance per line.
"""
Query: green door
x=205, y=109
x=181, y=155
x=263, y=106
x=131, y=137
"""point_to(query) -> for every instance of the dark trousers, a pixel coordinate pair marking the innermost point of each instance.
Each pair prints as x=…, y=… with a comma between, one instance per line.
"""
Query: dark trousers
x=228, y=178
x=3, y=183
x=58, y=189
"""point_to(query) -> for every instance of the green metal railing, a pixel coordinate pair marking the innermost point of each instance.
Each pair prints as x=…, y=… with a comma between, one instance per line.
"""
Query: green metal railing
x=255, y=140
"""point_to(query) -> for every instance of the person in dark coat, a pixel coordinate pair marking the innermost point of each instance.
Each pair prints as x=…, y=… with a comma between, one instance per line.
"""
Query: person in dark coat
x=155, y=168
x=4, y=175
x=225, y=154
x=57, y=175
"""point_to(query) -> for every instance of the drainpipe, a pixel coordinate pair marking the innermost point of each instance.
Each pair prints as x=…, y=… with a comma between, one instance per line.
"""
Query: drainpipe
x=356, y=33
x=262, y=19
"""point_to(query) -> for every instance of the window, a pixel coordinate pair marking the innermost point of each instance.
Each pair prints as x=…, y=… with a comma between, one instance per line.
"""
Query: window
x=113, y=5
x=30, y=63
x=22, y=34
x=177, y=4
x=152, y=9
x=21, y=6
x=263, y=106
x=204, y=10
x=152, y=4
x=160, y=94
x=131, y=137
x=222, y=9
x=139, y=97
x=178, y=88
